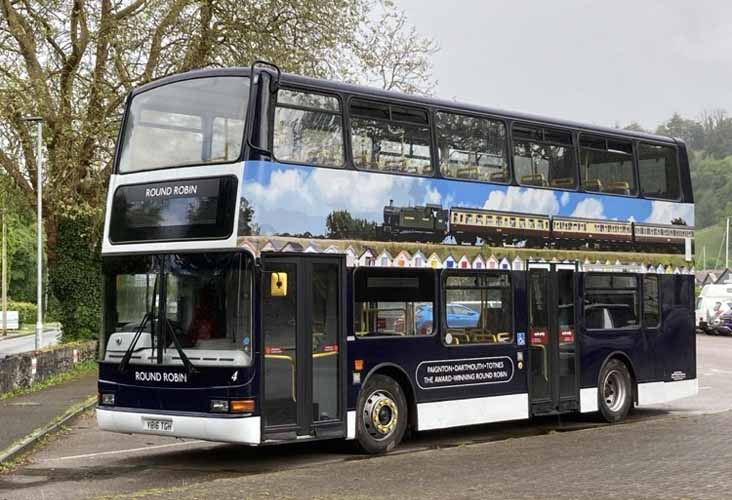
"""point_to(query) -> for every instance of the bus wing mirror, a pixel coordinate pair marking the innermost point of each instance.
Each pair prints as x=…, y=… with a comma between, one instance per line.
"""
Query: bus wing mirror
x=278, y=285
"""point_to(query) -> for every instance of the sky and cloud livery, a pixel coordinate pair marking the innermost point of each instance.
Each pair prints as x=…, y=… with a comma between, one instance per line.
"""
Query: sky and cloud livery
x=296, y=199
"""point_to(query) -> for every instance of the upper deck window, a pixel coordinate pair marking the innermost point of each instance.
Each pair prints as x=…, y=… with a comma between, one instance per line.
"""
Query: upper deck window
x=308, y=128
x=471, y=148
x=390, y=138
x=658, y=171
x=606, y=165
x=190, y=122
x=544, y=157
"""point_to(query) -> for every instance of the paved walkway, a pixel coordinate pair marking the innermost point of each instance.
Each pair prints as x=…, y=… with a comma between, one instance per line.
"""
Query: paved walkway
x=22, y=415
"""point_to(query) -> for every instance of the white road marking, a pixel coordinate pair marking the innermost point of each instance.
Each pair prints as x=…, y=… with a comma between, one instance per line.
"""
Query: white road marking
x=717, y=370
x=119, y=452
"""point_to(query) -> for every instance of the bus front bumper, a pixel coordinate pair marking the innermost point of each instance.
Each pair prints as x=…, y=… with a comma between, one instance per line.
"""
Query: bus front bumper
x=240, y=430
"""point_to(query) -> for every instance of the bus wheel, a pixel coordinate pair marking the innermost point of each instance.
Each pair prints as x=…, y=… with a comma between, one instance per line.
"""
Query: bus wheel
x=382, y=415
x=615, y=392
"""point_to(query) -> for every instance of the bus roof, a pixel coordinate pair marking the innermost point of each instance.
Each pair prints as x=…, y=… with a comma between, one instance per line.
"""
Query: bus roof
x=334, y=86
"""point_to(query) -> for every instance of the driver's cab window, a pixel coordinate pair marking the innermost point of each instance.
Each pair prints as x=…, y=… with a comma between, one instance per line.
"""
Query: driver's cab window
x=394, y=302
x=208, y=301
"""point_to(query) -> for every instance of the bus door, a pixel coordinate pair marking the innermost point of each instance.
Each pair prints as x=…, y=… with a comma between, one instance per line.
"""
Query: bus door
x=553, y=380
x=302, y=351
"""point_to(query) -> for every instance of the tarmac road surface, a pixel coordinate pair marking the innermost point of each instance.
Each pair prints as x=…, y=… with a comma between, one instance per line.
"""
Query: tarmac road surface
x=26, y=343
x=679, y=449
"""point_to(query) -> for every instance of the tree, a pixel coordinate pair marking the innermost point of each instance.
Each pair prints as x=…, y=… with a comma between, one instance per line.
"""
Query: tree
x=246, y=216
x=342, y=226
x=717, y=133
x=635, y=127
x=72, y=62
x=690, y=131
x=389, y=53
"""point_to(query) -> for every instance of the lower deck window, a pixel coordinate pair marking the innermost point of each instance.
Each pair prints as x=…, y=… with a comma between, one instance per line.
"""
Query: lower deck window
x=391, y=302
x=611, y=301
x=478, y=309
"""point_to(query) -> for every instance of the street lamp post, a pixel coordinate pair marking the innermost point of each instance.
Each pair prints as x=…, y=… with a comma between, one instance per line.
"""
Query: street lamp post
x=39, y=204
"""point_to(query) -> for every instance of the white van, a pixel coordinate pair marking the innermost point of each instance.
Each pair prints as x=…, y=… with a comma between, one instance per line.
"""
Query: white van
x=713, y=301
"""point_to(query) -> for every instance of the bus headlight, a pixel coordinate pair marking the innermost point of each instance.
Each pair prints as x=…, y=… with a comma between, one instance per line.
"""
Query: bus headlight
x=108, y=399
x=219, y=406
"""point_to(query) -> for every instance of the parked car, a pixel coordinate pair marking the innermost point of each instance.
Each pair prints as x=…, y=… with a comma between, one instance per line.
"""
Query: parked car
x=721, y=324
x=710, y=305
x=458, y=316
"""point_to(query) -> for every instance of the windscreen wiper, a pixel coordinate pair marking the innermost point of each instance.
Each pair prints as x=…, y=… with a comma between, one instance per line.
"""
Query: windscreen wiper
x=138, y=333
x=149, y=317
x=186, y=362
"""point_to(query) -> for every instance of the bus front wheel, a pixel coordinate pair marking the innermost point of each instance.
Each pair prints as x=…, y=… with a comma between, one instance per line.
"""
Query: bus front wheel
x=382, y=415
x=615, y=391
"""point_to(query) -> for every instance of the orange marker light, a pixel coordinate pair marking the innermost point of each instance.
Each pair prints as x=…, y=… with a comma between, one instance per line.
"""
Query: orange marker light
x=358, y=365
x=242, y=406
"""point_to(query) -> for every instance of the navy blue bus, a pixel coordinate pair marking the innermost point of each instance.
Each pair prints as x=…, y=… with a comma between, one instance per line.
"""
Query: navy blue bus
x=292, y=259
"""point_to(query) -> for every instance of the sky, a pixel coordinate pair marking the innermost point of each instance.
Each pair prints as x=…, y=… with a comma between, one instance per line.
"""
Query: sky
x=604, y=63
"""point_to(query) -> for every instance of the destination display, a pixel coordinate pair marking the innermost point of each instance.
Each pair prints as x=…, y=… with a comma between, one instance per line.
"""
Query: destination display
x=178, y=210
x=463, y=372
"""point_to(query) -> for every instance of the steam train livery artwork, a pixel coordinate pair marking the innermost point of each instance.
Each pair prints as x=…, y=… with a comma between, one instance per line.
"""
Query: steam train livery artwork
x=467, y=225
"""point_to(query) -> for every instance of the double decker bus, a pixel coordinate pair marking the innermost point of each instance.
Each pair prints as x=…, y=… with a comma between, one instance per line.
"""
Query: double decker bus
x=291, y=259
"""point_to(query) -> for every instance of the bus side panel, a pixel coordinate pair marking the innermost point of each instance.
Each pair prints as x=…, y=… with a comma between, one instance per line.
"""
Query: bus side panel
x=654, y=355
x=407, y=353
x=596, y=346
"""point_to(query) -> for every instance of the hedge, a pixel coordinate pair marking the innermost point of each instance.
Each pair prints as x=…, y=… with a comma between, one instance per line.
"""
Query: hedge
x=76, y=276
x=26, y=311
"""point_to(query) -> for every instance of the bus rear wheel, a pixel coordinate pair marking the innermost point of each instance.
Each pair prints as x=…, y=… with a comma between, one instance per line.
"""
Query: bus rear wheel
x=381, y=415
x=615, y=391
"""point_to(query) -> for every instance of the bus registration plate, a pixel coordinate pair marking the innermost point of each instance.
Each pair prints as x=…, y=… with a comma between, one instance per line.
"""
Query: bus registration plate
x=152, y=424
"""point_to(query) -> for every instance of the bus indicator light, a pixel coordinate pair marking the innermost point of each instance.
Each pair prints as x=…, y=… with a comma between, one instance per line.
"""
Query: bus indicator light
x=358, y=365
x=242, y=406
